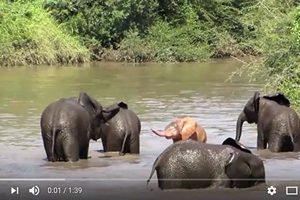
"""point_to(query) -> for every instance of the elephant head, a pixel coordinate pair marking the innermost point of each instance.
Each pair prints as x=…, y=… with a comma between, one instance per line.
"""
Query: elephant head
x=251, y=109
x=99, y=116
x=240, y=166
x=183, y=128
x=172, y=130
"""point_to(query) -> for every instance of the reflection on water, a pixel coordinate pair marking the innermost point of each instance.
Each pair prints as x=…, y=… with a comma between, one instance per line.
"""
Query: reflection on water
x=157, y=92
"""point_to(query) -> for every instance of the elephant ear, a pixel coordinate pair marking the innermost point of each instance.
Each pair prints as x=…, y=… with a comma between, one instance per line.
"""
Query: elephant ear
x=237, y=168
x=232, y=142
x=116, y=105
x=89, y=103
x=123, y=105
x=110, y=112
x=279, y=98
x=256, y=101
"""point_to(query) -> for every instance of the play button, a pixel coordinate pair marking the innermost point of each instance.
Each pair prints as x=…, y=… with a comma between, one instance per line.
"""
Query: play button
x=14, y=190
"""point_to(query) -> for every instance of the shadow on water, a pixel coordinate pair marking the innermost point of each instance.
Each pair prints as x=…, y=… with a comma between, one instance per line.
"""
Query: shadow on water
x=96, y=160
x=267, y=154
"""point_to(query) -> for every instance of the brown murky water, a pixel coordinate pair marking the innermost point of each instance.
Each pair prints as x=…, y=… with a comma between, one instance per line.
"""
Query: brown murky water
x=156, y=92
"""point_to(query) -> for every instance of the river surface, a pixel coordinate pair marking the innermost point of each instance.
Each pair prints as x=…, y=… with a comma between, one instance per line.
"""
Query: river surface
x=156, y=92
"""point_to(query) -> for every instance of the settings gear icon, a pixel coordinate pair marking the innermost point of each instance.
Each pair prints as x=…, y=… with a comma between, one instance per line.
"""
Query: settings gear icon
x=271, y=190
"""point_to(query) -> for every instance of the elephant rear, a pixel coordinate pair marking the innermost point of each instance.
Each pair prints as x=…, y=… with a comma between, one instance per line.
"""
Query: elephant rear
x=62, y=124
x=48, y=131
x=122, y=133
x=285, y=135
x=134, y=130
x=295, y=123
x=185, y=165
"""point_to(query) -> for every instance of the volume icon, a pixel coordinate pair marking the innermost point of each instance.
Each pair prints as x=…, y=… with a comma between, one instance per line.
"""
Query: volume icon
x=14, y=190
x=35, y=190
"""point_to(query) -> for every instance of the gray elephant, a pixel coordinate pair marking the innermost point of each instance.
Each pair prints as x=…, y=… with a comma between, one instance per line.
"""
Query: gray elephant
x=67, y=126
x=278, y=125
x=122, y=132
x=190, y=164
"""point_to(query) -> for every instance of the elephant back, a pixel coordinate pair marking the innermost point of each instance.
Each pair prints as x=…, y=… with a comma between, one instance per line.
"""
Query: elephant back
x=125, y=120
x=191, y=153
x=279, y=98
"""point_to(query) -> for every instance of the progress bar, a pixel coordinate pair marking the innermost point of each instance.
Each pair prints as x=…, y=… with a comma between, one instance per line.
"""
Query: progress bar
x=33, y=179
x=132, y=179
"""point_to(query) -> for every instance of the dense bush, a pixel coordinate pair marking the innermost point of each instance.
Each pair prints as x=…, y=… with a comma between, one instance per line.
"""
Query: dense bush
x=277, y=38
x=170, y=30
x=28, y=35
x=168, y=43
x=103, y=22
x=283, y=59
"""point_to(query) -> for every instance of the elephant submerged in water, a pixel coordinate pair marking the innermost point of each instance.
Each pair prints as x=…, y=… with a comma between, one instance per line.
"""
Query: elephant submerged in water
x=183, y=129
x=67, y=126
x=190, y=164
x=278, y=125
x=122, y=132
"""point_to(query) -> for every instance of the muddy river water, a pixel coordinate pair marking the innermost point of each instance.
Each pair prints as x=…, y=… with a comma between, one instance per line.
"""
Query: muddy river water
x=156, y=92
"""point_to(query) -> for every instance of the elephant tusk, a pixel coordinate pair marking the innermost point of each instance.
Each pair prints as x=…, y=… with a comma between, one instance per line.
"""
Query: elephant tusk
x=231, y=158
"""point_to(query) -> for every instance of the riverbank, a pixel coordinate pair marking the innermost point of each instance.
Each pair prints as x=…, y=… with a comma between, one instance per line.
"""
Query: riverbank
x=30, y=36
x=49, y=32
x=71, y=31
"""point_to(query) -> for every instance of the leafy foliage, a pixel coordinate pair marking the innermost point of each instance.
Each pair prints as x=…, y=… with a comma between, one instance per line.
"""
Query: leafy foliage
x=277, y=39
x=28, y=35
x=190, y=23
x=104, y=21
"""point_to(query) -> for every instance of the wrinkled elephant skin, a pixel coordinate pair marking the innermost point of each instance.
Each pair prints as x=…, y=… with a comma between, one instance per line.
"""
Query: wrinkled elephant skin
x=278, y=125
x=190, y=164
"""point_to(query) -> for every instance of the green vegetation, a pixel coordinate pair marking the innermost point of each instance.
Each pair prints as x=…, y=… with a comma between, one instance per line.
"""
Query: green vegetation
x=156, y=30
x=131, y=30
x=277, y=37
x=29, y=35
x=283, y=56
x=70, y=31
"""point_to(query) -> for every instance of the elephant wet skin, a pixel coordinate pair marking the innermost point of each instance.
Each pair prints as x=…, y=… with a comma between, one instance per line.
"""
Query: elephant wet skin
x=67, y=126
x=183, y=129
x=278, y=125
x=190, y=164
x=122, y=132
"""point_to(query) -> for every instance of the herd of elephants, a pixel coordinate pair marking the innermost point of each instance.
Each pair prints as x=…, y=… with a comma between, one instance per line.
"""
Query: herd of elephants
x=68, y=124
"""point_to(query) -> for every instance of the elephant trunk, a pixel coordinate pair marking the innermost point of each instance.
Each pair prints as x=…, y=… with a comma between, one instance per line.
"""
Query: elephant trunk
x=239, y=124
x=159, y=133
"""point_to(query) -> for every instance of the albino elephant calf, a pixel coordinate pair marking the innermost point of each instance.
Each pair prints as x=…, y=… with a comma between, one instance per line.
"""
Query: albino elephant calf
x=183, y=129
